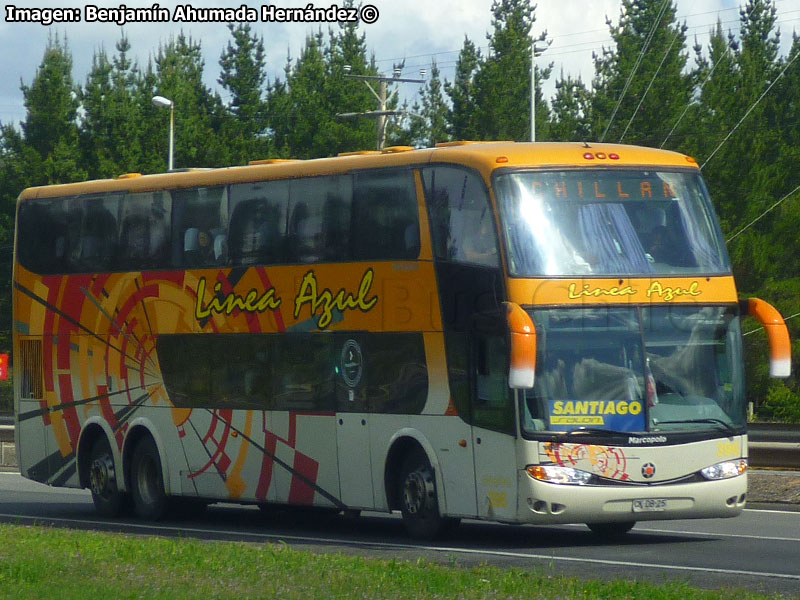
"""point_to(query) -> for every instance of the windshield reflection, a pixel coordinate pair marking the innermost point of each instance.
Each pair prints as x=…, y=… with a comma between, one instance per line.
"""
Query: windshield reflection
x=622, y=222
x=636, y=369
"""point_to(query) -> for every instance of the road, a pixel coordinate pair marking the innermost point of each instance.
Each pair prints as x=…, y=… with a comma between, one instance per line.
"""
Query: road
x=759, y=551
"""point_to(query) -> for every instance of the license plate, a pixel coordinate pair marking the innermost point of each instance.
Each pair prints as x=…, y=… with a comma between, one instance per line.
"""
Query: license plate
x=650, y=505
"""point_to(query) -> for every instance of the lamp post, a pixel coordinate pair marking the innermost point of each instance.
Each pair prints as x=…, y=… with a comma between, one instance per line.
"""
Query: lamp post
x=162, y=102
x=534, y=53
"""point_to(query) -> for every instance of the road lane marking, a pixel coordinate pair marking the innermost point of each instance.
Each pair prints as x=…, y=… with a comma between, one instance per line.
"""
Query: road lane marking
x=394, y=546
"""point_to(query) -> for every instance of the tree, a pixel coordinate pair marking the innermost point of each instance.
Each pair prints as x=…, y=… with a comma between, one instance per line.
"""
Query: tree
x=640, y=84
x=178, y=75
x=502, y=86
x=318, y=86
x=429, y=119
x=462, y=116
x=111, y=124
x=571, y=111
x=243, y=75
x=50, y=127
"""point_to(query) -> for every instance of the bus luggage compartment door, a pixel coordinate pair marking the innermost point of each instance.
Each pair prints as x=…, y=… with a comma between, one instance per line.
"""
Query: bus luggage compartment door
x=355, y=465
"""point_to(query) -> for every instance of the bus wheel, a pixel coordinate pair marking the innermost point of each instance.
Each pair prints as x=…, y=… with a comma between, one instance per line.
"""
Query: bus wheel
x=147, y=483
x=611, y=530
x=108, y=500
x=418, y=501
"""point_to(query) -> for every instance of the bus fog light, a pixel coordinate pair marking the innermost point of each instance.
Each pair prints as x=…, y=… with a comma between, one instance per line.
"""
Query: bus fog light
x=557, y=474
x=725, y=470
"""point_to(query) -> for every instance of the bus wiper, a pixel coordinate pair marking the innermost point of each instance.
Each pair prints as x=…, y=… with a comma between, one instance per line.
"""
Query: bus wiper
x=725, y=425
x=592, y=430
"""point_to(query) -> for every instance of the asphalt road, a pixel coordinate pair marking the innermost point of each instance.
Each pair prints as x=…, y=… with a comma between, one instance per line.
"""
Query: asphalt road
x=759, y=550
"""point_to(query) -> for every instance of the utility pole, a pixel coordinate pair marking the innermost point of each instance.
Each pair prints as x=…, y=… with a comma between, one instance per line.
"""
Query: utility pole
x=382, y=114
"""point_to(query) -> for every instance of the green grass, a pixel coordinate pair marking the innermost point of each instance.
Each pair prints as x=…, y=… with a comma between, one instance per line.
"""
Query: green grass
x=43, y=562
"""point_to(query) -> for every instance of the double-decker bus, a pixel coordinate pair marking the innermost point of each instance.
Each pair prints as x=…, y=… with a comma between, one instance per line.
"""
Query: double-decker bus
x=525, y=333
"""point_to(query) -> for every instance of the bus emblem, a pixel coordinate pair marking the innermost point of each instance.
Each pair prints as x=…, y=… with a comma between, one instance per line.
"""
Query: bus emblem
x=648, y=470
x=352, y=363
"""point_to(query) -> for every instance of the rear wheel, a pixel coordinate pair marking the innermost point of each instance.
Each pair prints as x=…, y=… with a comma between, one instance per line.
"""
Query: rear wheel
x=108, y=500
x=418, y=499
x=611, y=530
x=147, y=483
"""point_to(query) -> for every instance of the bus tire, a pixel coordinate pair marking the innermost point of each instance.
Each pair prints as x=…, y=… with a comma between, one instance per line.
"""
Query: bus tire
x=108, y=500
x=611, y=530
x=418, y=500
x=147, y=482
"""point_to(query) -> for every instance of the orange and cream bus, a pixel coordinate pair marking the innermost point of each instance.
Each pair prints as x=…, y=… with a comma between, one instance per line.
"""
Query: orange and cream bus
x=525, y=333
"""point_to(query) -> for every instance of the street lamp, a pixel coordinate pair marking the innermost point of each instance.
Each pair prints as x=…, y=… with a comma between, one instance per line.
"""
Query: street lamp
x=534, y=53
x=162, y=102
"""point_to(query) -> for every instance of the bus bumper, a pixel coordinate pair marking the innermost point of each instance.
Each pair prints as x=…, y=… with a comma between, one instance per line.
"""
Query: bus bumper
x=542, y=502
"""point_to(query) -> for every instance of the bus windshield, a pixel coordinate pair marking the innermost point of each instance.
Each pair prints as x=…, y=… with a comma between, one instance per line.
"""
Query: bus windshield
x=637, y=369
x=608, y=223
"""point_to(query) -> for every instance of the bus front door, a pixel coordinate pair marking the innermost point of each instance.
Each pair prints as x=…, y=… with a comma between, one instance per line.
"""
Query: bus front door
x=493, y=427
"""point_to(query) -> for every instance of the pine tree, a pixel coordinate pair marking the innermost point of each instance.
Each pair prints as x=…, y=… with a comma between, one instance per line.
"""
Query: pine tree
x=317, y=87
x=462, y=115
x=429, y=119
x=110, y=128
x=302, y=107
x=346, y=54
x=50, y=127
x=571, y=111
x=244, y=77
x=502, y=89
x=639, y=84
x=178, y=76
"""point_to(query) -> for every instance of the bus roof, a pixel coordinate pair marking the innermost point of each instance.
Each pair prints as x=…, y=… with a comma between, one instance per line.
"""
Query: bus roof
x=485, y=157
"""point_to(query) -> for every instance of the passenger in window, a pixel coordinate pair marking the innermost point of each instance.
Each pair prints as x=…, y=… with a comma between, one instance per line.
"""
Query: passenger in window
x=197, y=248
x=661, y=248
x=304, y=234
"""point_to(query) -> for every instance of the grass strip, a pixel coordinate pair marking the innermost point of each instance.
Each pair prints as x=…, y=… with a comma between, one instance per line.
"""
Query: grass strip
x=44, y=562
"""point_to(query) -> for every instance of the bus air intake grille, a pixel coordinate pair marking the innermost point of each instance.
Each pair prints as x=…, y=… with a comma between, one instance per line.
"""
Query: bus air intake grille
x=30, y=352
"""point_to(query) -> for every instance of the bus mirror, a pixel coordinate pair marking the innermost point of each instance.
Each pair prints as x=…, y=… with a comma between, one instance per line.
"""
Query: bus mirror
x=780, y=349
x=522, y=347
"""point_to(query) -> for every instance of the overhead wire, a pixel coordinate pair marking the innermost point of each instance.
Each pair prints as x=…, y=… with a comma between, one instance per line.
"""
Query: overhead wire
x=649, y=85
x=635, y=68
x=749, y=110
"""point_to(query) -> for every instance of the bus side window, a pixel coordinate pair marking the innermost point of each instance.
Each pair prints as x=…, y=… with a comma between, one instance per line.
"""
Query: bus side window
x=257, y=232
x=461, y=217
x=145, y=231
x=44, y=233
x=319, y=219
x=98, y=244
x=385, y=216
x=200, y=227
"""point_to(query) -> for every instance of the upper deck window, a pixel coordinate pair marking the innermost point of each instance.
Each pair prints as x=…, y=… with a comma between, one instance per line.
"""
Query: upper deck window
x=609, y=223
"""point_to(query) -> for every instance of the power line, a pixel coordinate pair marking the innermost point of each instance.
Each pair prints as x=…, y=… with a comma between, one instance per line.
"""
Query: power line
x=646, y=45
x=749, y=110
x=762, y=329
x=649, y=85
x=761, y=216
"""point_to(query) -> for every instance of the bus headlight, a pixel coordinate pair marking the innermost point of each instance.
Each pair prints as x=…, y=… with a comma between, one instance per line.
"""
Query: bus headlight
x=557, y=474
x=725, y=470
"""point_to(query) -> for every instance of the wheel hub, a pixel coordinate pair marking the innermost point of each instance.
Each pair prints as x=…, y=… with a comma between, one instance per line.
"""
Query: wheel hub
x=101, y=475
x=417, y=489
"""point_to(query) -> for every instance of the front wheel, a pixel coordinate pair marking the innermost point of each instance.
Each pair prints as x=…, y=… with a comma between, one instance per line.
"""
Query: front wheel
x=418, y=499
x=108, y=500
x=147, y=482
x=611, y=530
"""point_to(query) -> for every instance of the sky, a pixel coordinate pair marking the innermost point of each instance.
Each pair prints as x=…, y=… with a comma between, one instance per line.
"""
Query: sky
x=418, y=31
